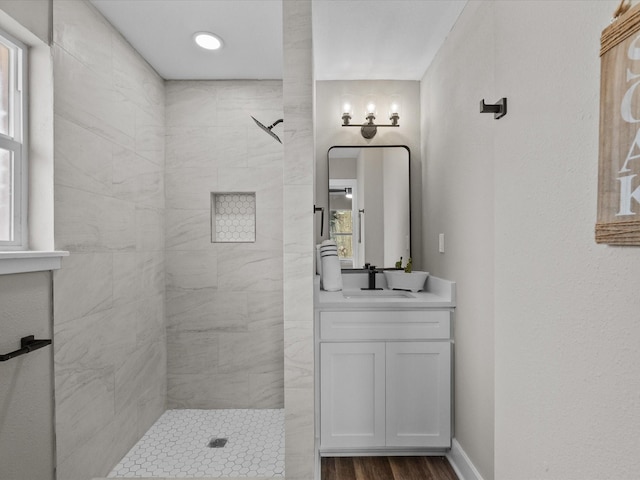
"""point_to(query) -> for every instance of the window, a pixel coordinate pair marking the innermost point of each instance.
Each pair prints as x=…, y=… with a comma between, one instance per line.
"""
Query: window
x=13, y=171
x=343, y=211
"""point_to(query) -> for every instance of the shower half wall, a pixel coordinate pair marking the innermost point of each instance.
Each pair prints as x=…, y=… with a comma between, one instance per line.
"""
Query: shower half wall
x=224, y=300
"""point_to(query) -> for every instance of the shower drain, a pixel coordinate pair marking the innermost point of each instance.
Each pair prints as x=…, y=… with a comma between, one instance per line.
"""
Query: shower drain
x=217, y=442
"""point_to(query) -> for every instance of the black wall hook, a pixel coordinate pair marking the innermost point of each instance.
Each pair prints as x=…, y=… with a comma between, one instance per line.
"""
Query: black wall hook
x=499, y=109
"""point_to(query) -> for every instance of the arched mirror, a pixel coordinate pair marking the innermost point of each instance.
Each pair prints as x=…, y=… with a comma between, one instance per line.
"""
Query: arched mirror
x=369, y=205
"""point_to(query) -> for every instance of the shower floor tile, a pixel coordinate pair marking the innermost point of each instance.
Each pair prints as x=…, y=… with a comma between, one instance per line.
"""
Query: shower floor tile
x=177, y=446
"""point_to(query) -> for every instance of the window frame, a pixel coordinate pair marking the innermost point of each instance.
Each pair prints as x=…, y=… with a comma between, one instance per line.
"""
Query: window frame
x=17, y=142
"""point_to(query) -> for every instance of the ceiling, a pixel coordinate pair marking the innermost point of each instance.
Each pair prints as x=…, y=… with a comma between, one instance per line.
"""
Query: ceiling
x=352, y=39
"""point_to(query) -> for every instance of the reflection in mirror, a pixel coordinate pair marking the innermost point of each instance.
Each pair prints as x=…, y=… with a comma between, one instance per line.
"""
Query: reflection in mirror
x=369, y=205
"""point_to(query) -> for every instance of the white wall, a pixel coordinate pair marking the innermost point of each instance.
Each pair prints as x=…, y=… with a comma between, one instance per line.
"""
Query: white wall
x=458, y=185
x=373, y=205
x=395, y=171
x=35, y=15
x=518, y=205
x=26, y=382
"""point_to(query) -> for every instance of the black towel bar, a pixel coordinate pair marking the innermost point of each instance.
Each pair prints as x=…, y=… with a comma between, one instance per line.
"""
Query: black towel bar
x=27, y=344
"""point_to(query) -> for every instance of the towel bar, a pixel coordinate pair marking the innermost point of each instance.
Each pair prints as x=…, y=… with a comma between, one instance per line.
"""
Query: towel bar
x=27, y=344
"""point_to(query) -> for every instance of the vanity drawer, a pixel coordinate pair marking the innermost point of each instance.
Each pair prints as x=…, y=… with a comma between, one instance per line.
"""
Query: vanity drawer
x=385, y=325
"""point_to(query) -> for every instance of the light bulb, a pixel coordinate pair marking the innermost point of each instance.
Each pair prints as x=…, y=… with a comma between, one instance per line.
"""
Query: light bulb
x=371, y=108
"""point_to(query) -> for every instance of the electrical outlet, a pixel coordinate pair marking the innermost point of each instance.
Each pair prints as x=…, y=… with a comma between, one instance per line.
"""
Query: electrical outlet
x=441, y=243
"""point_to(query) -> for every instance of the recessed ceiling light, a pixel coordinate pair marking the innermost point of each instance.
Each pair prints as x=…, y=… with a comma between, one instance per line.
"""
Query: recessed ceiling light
x=207, y=40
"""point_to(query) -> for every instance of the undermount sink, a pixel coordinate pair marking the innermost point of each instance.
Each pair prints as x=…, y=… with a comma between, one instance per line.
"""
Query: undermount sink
x=373, y=294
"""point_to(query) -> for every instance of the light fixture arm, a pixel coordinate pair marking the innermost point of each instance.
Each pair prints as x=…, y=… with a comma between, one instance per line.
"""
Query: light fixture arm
x=369, y=128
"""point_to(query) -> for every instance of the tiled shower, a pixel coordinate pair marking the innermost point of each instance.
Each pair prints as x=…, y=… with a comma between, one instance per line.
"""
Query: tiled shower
x=150, y=314
x=224, y=299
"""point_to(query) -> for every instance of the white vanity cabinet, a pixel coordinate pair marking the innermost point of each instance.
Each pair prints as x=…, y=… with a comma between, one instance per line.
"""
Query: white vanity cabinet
x=384, y=375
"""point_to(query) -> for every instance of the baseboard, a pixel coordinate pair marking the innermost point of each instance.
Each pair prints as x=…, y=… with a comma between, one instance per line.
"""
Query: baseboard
x=461, y=463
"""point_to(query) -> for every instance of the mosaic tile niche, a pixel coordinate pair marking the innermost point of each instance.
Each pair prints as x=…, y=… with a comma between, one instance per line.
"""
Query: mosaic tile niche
x=233, y=217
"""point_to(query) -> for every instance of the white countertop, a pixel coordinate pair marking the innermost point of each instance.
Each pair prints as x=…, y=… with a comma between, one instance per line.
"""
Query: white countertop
x=439, y=293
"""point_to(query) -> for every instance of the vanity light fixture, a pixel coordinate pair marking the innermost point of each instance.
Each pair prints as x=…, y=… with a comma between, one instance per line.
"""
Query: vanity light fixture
x=348, y=192
x=369, y=128
x=207, y=40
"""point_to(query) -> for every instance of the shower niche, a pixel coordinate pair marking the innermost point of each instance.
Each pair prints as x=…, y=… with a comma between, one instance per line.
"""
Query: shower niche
x=233, y=217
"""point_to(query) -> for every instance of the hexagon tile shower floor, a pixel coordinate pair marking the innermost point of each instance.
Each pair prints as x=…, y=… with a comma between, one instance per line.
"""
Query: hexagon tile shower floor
x=191, y=443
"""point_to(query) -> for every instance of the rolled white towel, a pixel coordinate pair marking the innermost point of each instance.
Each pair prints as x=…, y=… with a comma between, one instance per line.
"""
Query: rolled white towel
x=318, y=260
x=331, y=274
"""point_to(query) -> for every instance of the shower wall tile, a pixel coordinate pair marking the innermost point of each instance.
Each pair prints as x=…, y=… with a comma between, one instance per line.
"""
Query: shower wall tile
x=191, y=103
x=262, y=150
x=85, y=163
x=149, y=221
x=151, y=404
x=187, y=229
x=298, y=249
x=137, y=373
x=208, y=390
x=192, y=269
x=296, y=270
x=266, y=390
x=86, y=222
x=207, y=311
x=101, y=451
x=268, y=232
x=298, y=236
x=298, y=422
x=137, y=179
x=265, y=181
x=231, y=146
x=249, y=269
x=250, y=352
x=224, y=299
x=149, y=140
x=109, y=296
x=191, y=352
x=192, y=146
x=84, y=406
x=89, y=273
x=151, y=323
x=264, y=310
x=88, y=98
x=191, y=187
x=89, y=42
x=93, y=341
x=298, y=352
x=134, y=78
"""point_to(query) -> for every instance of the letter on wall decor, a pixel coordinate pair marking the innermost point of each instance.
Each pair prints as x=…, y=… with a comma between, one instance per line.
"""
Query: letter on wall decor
x=618, y=220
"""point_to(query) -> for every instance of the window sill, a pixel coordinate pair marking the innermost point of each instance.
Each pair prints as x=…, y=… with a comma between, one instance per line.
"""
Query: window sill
x=30, y=261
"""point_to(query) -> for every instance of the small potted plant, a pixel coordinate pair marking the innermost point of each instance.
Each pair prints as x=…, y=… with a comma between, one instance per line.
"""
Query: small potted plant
x=405, y=278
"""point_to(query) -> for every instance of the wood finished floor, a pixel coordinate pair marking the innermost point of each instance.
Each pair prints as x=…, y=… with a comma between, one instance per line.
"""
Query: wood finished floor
x=386, y=468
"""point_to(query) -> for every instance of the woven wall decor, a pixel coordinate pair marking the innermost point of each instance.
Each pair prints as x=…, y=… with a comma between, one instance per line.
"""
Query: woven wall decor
x=618, y=221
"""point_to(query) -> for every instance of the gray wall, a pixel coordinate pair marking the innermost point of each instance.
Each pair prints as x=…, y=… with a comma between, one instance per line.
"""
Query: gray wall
x=26, y=382
x=559, y=311
x=110, y=347
x=224, y=300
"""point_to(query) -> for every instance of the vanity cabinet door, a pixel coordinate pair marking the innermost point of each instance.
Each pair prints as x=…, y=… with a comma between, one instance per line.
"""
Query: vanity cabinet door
x=352, y=394
x=418, y=385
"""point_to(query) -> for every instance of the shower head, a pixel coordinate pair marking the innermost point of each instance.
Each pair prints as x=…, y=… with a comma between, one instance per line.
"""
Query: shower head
x=268, y=129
